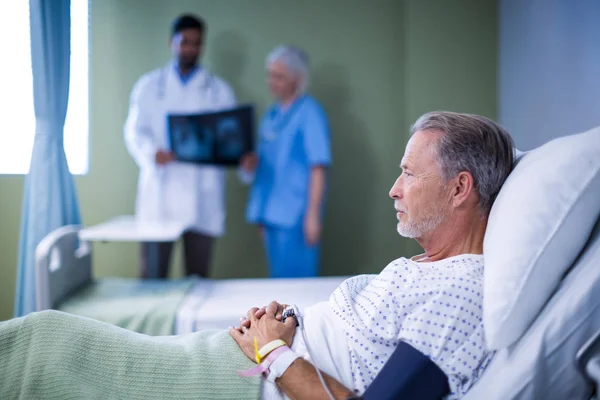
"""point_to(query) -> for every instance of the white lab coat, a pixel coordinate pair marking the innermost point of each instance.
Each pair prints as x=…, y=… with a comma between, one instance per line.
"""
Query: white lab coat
x=186, y=194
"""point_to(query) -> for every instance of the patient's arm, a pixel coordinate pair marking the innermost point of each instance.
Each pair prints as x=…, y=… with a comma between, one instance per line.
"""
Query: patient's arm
x=300, y=381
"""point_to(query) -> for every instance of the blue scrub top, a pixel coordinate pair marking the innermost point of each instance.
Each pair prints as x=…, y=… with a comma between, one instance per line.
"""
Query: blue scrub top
x=290, y=143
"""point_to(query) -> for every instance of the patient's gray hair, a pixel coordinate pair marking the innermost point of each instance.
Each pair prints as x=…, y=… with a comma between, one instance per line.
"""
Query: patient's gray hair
x=295, y=60
x=474, y=144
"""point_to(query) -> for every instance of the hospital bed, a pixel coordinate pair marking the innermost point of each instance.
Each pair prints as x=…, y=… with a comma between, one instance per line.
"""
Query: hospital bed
x=64, y=281
x=557, y=356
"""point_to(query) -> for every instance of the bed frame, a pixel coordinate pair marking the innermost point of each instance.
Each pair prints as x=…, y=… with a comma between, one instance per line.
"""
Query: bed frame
x=63, y=264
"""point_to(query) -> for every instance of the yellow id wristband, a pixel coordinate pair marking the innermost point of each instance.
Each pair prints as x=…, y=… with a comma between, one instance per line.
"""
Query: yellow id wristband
x=269, y=347
x=256, y=354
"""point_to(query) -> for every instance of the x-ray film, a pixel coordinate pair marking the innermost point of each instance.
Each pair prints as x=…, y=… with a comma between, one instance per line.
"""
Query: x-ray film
x=218, y=138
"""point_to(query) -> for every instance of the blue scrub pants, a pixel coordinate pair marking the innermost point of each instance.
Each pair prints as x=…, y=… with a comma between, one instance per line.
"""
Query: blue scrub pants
x=288, y=254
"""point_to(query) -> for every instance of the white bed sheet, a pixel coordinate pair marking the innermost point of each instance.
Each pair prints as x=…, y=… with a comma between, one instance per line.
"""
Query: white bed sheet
x=219, y=304
x=541, y=365
x=126, y=228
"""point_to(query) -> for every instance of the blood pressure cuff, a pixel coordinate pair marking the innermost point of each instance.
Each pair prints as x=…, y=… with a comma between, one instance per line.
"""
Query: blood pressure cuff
x=408, y=375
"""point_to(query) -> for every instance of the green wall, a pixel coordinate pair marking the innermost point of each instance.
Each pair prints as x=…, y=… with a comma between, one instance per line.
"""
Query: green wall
x=376, y=66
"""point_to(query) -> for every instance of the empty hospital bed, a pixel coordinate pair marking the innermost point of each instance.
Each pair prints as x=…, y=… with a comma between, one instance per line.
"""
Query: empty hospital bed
x=64, y=281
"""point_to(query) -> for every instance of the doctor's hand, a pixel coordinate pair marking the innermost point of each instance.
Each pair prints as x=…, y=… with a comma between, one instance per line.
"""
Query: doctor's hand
x=164, y=157
x=312, y=228
x=249, y=162
x=265, y=329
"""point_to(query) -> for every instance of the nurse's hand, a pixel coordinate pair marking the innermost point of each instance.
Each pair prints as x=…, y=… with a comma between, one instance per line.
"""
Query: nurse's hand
x=249, y=162
x=164, y=157
x=312, y=228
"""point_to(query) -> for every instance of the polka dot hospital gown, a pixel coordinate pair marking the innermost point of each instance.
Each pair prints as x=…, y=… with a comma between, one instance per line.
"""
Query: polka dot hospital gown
x=436, y=307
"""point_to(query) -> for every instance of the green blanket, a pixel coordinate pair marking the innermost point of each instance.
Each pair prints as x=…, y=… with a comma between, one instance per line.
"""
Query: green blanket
x=144, y=306
x=54, y=355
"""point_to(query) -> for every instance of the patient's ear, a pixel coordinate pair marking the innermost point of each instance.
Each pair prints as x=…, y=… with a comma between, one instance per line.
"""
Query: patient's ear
x=462, y=189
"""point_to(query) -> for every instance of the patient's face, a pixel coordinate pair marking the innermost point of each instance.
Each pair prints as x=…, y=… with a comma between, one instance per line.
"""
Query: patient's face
x=421, y=198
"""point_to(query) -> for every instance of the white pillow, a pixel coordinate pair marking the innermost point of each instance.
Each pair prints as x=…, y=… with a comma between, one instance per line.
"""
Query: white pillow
x=518, y=155
x=539, y=223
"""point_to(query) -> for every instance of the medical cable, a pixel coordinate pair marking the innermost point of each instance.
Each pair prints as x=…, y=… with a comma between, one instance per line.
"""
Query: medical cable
x=296, y=315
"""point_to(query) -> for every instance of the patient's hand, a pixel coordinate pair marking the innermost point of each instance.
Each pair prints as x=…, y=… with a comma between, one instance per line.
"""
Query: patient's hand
x=245, y=322
x=265, y=329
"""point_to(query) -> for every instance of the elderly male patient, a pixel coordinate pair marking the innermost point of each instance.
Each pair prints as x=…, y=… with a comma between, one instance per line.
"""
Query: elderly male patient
x=451, y=172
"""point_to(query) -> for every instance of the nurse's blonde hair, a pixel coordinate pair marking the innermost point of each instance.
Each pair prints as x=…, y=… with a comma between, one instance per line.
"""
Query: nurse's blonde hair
x=295, y=60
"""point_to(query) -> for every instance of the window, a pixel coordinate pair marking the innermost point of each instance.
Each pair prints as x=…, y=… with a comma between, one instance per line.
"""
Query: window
x=17, y=117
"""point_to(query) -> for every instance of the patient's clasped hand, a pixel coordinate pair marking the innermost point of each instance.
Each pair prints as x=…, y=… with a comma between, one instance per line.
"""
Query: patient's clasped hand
x=452, y=170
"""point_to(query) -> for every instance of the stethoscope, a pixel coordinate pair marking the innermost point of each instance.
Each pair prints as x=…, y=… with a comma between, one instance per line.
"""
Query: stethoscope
x=207, y=85
x=276, y=128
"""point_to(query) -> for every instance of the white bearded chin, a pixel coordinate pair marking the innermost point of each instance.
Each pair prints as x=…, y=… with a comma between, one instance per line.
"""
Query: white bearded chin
x=414, y=229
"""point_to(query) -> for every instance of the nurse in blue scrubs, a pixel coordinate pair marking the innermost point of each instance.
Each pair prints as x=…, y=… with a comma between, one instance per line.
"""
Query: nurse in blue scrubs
x=289, y=171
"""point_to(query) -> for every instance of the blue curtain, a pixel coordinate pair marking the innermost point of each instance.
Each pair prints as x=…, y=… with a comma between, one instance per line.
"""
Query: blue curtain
x=49, y=199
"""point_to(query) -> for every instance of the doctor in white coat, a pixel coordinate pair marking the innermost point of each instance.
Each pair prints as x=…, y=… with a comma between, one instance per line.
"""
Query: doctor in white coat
x=170, y=191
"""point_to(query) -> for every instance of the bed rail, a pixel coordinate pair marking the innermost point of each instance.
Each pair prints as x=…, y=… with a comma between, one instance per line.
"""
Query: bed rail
x=63, y=264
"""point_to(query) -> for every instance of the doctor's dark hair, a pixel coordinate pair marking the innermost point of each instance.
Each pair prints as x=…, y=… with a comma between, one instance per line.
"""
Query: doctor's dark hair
x=474, y=144
x=187, y=21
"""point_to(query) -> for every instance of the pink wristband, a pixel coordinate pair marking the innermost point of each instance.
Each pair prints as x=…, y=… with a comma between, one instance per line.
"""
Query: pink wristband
x=264, y=366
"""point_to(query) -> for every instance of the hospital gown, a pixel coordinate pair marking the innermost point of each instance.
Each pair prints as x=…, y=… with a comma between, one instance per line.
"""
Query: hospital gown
x=436, y=307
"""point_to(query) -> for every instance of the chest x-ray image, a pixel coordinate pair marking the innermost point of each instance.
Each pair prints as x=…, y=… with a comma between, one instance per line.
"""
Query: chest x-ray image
x=219, y=138
x=192, y=142
x=230, y=138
